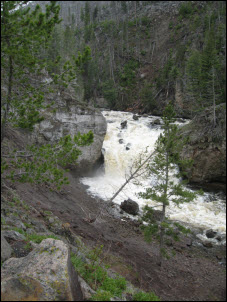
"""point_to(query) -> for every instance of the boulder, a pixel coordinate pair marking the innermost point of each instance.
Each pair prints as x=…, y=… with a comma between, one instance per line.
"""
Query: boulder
x=6, y=250
x=180, y=120
x=135, y=117
x=121, y=141
x=128, y=146
x=13, y=235
x=45, y=274
x=124, y=125
x=207, y=243
x=71, y=118
x=210, y=233
x=130, y=206
x=156, y=122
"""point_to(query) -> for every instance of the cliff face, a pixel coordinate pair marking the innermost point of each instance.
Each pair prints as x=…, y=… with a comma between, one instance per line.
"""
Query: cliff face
x=67, y=116
x=207, y=147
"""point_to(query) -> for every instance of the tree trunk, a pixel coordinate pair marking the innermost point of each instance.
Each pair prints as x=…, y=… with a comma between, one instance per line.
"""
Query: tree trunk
x=133, y=175
x=214, y=102
x=8, y=99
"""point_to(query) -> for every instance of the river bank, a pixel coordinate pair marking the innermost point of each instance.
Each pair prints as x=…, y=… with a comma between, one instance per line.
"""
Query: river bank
x=193, y=274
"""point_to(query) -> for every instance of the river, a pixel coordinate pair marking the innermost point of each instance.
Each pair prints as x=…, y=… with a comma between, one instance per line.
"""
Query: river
x=121, y=148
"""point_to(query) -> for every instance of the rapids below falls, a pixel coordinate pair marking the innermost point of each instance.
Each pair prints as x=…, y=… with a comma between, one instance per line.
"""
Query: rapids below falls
x=121, y=147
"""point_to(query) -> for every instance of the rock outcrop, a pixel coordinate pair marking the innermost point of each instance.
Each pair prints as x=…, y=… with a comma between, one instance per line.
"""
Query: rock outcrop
x=69, y=117
x=206, y=147
x=6, y=249
x=46, y=274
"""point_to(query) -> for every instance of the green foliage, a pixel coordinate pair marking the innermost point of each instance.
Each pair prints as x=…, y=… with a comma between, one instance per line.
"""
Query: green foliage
x=110, y=93
x=93, y=272
x=147, y=96
x=170, y=24
x=128, y=76
x=97, y=276
x=206, y=76
x=102, y=296
x=169, y=73
x=186, y=9
x=34, y=237
x=145, y=21
x=87, y=13
x=24, y=34
x=142, y=296
x=44, y=163
x=107, y=26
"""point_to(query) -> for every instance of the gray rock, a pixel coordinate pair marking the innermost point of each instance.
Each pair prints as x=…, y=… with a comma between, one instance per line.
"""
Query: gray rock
x=30, y=231
x=207, y=243
x=13, y=235
x=135, y=117
x=45, y=274
x=128, y=146
x=39, y=226
x=130, y=207
x=210, y=233
x=87, y=291
x=121, y=141
x=220, y=237
x=6, y=249
x=14, y=221
x=180, y=120
x=206, y=147
x=71, y=118
x=124, y=125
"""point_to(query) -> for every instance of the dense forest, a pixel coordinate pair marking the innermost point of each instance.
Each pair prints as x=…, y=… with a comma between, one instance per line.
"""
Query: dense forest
x=145, y=53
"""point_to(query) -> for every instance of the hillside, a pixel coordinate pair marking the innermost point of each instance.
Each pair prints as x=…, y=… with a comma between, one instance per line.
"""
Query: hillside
x=142, y=52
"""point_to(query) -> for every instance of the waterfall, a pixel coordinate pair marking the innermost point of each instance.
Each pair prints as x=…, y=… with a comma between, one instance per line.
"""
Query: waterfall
x=122, y=146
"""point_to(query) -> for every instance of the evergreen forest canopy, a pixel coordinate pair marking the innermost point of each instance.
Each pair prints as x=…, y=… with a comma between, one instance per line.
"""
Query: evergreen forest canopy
x=135, y=65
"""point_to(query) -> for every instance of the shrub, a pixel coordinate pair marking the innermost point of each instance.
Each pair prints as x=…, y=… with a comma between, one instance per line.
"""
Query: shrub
x=186, y=9
x=102, y=296
x=142, y=296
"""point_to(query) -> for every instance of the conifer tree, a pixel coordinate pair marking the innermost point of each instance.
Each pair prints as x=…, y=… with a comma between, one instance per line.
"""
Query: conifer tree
x=165, y=191
x=25, y=35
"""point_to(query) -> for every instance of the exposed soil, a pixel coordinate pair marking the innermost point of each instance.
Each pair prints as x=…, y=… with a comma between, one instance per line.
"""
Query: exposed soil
x=192, y=274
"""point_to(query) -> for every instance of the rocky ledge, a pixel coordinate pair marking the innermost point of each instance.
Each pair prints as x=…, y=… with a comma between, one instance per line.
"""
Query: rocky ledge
x=69, y=117
x=207, y=148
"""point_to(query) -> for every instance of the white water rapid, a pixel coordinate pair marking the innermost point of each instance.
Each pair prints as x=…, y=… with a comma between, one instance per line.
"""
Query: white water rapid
x=121, y=147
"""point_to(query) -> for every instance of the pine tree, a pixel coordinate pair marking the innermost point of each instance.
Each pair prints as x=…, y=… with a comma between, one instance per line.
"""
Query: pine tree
x=25, y=36
x=193, y=71
x=166, y=157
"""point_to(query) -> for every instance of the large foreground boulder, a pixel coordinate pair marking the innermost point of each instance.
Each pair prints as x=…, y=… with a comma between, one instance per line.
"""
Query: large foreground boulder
x=46, y=274
x=130, y=206
x=206, y=147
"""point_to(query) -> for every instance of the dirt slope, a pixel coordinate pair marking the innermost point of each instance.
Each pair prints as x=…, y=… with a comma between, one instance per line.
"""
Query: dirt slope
x=192, y=275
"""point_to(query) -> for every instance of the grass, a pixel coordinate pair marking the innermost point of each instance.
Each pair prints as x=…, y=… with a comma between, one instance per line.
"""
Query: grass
x=102, y=296
x=98, y=279
x=142, y=296
x=96, y=276
x=34, y=237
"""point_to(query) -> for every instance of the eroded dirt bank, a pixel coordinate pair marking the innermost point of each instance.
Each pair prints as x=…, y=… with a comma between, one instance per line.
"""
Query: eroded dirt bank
x=191, y=275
